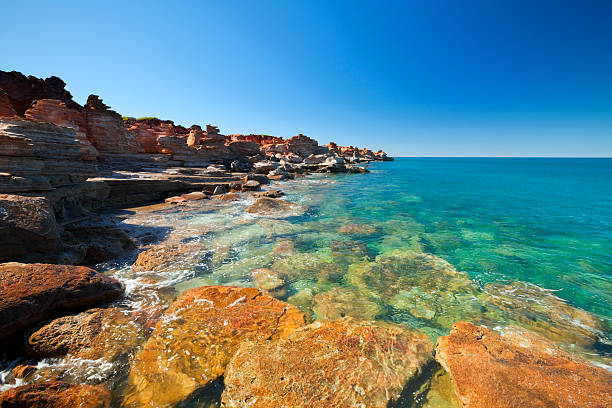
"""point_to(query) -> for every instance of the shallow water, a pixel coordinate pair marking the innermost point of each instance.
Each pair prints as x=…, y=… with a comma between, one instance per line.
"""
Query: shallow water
x=420, y=242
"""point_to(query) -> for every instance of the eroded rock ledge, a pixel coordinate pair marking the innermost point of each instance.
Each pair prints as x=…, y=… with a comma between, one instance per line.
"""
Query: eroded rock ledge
x=83, y=158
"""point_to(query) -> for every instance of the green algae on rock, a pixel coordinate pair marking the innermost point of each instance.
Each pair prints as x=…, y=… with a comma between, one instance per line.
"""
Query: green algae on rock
x=327, y=364
x=198, y=335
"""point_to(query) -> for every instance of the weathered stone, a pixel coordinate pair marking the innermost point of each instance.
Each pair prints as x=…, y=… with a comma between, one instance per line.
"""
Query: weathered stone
x=55, y=394
x=30, y=292
x=97, y=243
x=160, y=257
x=27, y=224
x=251, y=185
x=539, y=310
x=275, y=193
x=196, y=195
x=96, y=333
x=198, y=335
x=341, y=302
x=6, y=108
x=518, y=369
x=333, y=364
x=227, y=197
x=275, y=208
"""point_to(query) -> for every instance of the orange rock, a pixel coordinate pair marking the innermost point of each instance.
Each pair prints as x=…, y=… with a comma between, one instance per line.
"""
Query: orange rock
x=197, y=336
x=275, y=207
x=334, y=364
x=30, y=292
x=163, y=256
x=518, y=369
x=55, y=394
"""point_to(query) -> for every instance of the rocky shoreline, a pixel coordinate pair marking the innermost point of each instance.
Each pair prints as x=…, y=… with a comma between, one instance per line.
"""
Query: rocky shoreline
x=77, y=337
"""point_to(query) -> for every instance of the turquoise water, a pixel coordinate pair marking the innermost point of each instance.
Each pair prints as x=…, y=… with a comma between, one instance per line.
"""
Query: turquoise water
x=427, y=242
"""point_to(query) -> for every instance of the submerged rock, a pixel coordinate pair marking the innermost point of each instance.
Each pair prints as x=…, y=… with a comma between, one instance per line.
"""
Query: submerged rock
x=357, y=229
x=274, y=207
x=31, y=292
x=334, y=364
x=422, y=285
x=266, y=279
x=160, y=257
x=518, y=369
x=539, y=310
x=341, y=302
x=198, y=335
x=55, y=394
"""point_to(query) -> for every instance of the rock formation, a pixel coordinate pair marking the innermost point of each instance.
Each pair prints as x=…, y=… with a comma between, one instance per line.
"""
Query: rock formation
x=30, y=292
x=518, y=369
x=197, y=337
x=336, y=364
x=55, y=394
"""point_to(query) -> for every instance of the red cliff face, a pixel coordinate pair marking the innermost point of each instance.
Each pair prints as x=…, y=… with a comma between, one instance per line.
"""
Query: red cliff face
x=6, y=107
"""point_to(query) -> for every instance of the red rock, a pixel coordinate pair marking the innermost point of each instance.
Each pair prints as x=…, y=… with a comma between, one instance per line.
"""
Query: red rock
x=518, y=369
x=30, y=292
x=55, y=394
x=196, y=338
x=23, y=90
x=332, y=364
x=27, y=224
x=6, y=108
x=105, y=129
x=33, y=149
x=244, y=148
x=56, y=112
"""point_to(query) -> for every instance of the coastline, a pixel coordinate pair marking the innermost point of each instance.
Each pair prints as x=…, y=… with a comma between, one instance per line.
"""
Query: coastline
x=156, y=342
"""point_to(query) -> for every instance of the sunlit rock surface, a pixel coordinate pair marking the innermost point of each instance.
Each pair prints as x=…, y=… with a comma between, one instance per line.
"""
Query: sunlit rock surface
x=274, y=207
x=198, y=335
x=518, y=369
x=30, y=292
x=335, y=364
x=55, y=394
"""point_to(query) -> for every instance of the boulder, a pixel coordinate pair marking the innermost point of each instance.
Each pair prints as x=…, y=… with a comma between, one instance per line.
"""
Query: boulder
x=198, y=335
x=96, y=333
x=275, y=207
x=332, y=364
x=163, y=256
x=31, y=292
x=260, y=178
x=196, y=195
x=251, y=185
x=518, y=369
x=56, y=394
x=264, y=167
x=27, y=224
x=275, y=193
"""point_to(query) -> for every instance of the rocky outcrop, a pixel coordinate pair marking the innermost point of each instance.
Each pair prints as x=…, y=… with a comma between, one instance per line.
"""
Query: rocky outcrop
x=27, y=224
x=198, y=335
x=22, y=90
x=518, y=369
x=335, y=364
x=30, y=292
x=105, y=129
x=56, y=394
x=169, y=256
x=6, y=107
x=32, y=149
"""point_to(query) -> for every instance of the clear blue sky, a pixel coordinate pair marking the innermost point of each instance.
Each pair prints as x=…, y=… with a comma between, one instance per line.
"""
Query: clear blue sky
x=426, y=78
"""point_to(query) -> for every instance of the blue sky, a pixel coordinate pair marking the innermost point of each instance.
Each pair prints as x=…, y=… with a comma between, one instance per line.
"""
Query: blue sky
x=426, y=78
